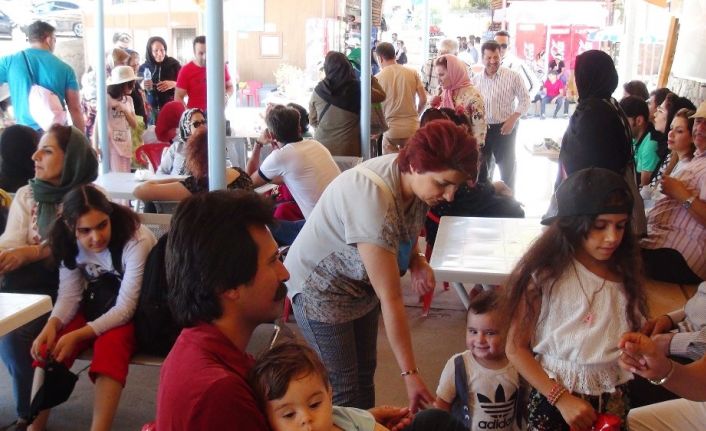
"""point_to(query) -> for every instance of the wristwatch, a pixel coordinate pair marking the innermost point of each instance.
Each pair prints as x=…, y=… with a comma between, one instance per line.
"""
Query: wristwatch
x=687, y=203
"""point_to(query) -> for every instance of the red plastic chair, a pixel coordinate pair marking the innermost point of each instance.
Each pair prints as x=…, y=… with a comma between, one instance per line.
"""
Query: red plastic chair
x=151, y=154
x=252, y=89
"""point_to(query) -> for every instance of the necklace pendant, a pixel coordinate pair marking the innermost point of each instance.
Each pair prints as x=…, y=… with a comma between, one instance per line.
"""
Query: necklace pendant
x=588, y=319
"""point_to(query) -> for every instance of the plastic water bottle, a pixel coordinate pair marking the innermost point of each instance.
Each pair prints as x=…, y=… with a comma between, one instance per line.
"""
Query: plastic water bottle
x=147, y=74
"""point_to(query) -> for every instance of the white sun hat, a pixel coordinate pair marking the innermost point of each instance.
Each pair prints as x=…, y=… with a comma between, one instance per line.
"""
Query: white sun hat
x=121, y=74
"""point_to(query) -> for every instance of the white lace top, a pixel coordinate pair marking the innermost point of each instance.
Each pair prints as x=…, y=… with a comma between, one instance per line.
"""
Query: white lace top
x=582, y=355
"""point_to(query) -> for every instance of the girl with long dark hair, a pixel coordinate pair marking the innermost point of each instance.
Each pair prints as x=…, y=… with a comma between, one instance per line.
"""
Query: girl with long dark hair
x=102, y=249
x=572, y=295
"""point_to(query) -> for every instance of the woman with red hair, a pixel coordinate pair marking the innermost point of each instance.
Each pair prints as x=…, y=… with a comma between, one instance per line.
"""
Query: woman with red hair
x=346, y=262
x=175, y=189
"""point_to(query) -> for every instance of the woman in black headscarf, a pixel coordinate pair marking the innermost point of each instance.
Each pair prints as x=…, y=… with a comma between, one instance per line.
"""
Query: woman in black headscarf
x=163, y=73
x=599, y=134
x=17, y=144
x=334, y=108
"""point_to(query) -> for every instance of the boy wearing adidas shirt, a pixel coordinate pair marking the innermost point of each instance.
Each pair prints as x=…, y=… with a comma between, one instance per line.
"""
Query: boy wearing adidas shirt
x=480, y=386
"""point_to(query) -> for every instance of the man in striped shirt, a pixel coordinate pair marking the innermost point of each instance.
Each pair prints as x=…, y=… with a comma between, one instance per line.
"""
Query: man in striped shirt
x=506, y=99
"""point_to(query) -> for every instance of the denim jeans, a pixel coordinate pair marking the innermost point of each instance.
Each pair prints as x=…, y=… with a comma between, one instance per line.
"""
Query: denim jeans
x=349, y=352
x=15, y=353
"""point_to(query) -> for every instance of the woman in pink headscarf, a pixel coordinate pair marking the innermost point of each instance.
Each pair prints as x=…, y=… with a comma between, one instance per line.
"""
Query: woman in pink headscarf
x=458, y=93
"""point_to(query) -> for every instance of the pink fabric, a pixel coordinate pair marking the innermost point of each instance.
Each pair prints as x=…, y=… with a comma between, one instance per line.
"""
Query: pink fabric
x=457, y=74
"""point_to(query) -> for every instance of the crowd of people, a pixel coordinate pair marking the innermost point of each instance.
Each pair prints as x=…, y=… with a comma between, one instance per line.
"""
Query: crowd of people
x=560, y=346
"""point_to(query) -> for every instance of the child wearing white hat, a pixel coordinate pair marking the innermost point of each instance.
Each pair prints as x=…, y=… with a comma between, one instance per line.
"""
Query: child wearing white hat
x=121, y=117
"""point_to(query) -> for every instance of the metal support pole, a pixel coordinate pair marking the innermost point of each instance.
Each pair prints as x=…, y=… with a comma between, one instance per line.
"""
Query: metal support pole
x=366, y=18
x=101, y=127
x=427, y=26
x=215, y=94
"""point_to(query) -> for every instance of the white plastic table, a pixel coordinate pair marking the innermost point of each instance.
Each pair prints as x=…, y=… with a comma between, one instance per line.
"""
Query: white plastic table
x=121, y=185
x=17, y=309
x=480, y=250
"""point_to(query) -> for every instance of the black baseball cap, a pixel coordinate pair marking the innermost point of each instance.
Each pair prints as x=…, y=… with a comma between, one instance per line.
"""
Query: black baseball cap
x=592, y=191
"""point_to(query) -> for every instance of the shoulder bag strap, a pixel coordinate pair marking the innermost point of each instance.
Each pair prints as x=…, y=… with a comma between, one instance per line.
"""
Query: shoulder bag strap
x=29, y=69
x=323, y=112
x=377, y=180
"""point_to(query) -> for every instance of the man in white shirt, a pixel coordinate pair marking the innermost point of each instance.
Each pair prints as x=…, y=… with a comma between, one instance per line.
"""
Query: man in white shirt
x=511, y=61
x=506, y=99
x=305, y=166
x=401, y=107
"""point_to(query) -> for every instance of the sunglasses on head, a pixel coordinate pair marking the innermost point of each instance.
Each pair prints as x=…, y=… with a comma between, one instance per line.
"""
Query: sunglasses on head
x=197, y=124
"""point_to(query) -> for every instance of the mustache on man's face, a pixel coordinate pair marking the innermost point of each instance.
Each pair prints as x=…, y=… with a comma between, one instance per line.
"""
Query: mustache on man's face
x=281, y=292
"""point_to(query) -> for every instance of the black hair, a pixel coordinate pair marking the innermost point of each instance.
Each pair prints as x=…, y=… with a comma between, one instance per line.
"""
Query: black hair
x=552, y=253
x=39, y=30
x=674, y=103
x=490, y=45
x=276, y=368
x=636, y=88
x=503, y=33
x=117, y=91
x=385, y=50
x=634, y=106
x=303, y=116
x=62, y=135
x=79, y=201
x=199, y=39
x=484, y=302
x=210, y=251
x=283, y=123
x=659, y=95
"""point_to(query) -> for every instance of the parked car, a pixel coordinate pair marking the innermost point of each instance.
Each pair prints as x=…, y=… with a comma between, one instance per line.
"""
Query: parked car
x=6, y=25
x=64, y=15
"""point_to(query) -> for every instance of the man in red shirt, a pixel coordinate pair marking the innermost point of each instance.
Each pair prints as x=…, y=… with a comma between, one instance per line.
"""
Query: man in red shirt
x=226, y=278
x=552, y=92
x=191, y=81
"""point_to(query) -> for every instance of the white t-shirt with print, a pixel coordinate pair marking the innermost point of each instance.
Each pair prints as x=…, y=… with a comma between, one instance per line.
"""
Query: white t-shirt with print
x=306, y=167
x=492, y=394
x=324, y=265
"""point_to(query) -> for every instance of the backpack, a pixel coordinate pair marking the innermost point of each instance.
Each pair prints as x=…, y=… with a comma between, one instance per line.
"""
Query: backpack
x=155, y=328
x=44, y=105
x=459, y=405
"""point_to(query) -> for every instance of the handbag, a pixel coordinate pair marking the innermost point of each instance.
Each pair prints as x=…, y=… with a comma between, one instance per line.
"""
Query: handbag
x=44, y=105
x=100, y=295
x=378, y=125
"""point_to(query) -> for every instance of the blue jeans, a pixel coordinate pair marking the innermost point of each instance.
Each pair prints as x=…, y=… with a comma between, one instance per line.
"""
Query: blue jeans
x=15, y=353
x=349, y=352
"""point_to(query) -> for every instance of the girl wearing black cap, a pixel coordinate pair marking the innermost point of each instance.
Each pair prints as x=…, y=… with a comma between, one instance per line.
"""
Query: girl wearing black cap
x=572, y=295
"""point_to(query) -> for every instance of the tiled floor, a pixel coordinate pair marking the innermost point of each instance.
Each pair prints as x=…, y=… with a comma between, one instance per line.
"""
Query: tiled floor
x=435, y=337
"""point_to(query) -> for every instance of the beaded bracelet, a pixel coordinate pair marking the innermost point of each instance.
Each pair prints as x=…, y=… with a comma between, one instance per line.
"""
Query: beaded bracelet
x=555, y=393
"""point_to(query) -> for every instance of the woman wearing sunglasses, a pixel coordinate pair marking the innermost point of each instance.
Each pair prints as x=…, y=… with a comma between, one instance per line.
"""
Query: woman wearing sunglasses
x=174, y=189
x=172, y=162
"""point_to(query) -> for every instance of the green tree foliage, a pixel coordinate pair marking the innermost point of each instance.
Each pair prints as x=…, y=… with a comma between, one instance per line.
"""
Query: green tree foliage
x=466, y=5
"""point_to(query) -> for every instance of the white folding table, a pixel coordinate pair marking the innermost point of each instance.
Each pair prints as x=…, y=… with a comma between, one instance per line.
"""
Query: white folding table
x=480, y=250
x=121, y=185
x=17, y=309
